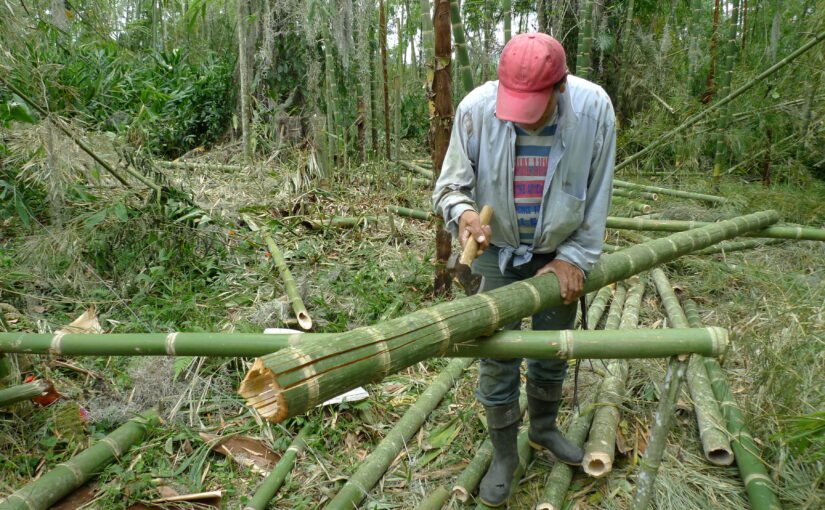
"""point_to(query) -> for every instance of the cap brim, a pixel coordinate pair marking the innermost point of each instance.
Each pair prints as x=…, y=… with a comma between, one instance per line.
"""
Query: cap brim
x=521, y=107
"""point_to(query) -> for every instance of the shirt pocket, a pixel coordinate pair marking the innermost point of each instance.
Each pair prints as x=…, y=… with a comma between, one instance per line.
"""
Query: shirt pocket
x=564, y=215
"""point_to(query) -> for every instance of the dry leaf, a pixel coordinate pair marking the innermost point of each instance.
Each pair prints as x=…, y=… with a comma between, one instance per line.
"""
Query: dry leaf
x=87, y=323
x=76, y=499
x=246, y=451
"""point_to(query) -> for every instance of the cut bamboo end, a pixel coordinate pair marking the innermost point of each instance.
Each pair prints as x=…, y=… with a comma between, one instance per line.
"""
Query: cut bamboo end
x=597, y=464
x=720, y=456
x=304, y=320
x=654, y=197
x=720, y=340
x=546, y=506
x=460, y=493
x=261, y=390
x=646, y=209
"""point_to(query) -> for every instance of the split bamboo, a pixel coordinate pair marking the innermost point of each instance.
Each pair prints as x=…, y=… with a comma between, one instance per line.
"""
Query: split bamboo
x=552, y=498
x=565, y=344
x=436, y=499
x=68, y=476
x=758, y=483
x=668, y=191
x=693, y=119
x=636, y=206
x=269, y=487
x=715, y=444
x=632, y=193
x=289, y=382
x=410, y=213
x=471, y=476
x=376, y=464
x=800, y=233
x=21, y=392
x=599, y=451
x=290, y=286
x=464, y=69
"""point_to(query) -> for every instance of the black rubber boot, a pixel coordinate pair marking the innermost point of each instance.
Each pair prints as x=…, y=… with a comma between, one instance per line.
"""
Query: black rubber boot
x=543, y=402
x=502, y=423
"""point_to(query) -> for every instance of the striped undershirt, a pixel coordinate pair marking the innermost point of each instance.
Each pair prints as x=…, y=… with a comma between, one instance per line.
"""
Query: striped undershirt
x=532, y=155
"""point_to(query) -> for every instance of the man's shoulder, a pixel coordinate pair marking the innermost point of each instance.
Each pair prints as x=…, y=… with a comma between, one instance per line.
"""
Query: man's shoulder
x=587, y=96
x=481, y=98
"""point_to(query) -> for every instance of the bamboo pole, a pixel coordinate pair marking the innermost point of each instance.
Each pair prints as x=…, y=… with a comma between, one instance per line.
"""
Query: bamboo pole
x=636, y=206
x=464, y=69
x=758, y=482
x=382, y=39
x=598, y=306
x=416, y=169
x=599, y=451
x=289, y=382
x=552, y=497
x=269, y=487
x=341, y=222
x=507, y=12
x=68, y=476
x=196, y=165
x=21, y=392
x=632, y=193
x=290, y=286
x=731, y=246
x=565, y=344
x=667, y=191
x=693, y=119
x=376, y=464
x=410, y=213
x=471, y=475
x=435, y=500
x=83, y=145
x=800, y=233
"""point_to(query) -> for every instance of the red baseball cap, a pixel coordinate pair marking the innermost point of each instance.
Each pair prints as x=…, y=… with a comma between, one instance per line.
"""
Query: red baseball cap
x=530, y=65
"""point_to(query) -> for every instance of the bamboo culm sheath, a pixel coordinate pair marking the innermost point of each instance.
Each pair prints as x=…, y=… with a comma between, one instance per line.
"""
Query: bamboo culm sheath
x=68, y=476
x=295, y=379
x=564, y=344
x=758, y=482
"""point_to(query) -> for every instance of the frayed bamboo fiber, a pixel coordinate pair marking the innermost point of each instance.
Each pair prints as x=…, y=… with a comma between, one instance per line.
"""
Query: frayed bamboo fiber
x=289, y=382
x=376, y=464
x=758, y=482
x=599, y=451
x=68, y=476
x=21, y=392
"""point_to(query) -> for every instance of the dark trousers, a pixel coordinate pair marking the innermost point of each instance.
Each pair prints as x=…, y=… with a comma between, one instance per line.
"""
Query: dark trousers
x=499, y=379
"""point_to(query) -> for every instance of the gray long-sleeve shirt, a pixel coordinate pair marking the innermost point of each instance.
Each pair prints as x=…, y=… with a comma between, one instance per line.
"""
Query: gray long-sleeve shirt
x=478, y=171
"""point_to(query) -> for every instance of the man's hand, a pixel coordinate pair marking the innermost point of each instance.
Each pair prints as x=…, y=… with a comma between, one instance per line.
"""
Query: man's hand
x=469, y=224
x=571, y=279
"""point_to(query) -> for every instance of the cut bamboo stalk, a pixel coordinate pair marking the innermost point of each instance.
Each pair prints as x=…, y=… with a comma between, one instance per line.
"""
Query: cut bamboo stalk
x=668, y=191
x=416, y=169
x=758, y=482
x=598, y=306
x=199, y=166
x=632, y=193
x=715, y=444
x=410, y=213
x=800, y=233
x=290, y=286
x=295, y=379
x=22, y=392
x=471, y=245
x=341, y=222
x=599, y=451
x=436, y=500
x=269, y=487
x=564, y=344
x=471, y=475
x=636, y=206
x=731, y=246
x=376, y=464
x=68, y=476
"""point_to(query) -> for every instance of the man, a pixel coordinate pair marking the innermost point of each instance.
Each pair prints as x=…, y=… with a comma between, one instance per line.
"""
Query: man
x=538, y=146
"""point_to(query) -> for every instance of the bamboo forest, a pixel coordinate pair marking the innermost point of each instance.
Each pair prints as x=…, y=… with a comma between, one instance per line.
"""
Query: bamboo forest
x=412, y=254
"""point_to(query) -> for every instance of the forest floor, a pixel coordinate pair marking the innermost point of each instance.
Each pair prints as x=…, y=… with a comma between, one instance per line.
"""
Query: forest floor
x=150, y=267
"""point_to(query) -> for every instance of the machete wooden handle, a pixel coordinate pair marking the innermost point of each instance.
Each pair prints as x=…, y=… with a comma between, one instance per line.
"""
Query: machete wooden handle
x=471, y=246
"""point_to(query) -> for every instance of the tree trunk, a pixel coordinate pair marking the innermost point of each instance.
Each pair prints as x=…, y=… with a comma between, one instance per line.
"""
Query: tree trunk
x=382, y=39
x=544, y=21
x=442, y=121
